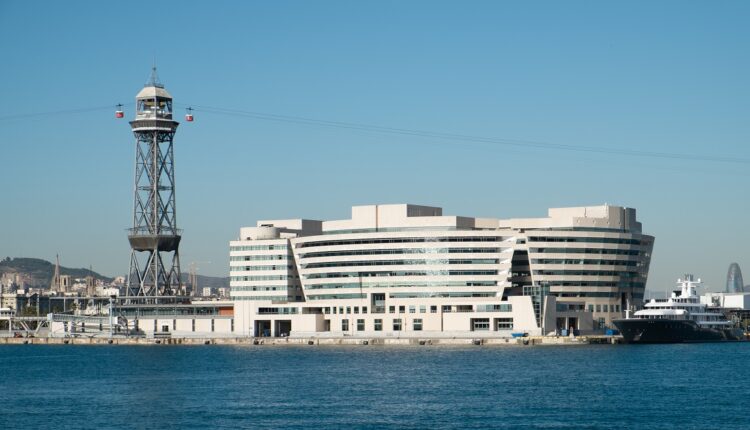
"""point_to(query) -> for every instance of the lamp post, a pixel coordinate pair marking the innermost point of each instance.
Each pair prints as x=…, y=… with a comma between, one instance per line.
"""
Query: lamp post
x=111, y=316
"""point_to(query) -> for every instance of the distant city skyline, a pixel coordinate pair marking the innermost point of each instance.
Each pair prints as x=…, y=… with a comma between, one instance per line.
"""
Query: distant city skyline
x=277, y=88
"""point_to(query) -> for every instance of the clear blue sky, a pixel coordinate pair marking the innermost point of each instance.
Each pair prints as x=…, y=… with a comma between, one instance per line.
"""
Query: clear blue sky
x=667, y=76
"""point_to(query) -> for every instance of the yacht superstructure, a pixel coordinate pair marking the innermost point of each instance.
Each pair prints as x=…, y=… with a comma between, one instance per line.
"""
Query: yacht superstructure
x=679, y=318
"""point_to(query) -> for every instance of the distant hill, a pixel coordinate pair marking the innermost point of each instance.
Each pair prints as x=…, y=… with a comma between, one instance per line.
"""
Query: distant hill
x=208, y=281
x=39, y=272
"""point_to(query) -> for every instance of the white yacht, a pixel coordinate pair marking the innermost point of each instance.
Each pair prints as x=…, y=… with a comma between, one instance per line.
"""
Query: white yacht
x=680, y=318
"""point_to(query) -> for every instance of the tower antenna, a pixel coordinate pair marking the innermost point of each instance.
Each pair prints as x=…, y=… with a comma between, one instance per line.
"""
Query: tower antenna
x=153, y=80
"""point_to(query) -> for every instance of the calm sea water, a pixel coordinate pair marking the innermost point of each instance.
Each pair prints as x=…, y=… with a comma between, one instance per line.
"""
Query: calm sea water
x=703, y=386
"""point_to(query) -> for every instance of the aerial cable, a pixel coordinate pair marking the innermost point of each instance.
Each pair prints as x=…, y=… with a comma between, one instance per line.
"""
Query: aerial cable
x=58, y=112
x=461, y=137
x=454, y=137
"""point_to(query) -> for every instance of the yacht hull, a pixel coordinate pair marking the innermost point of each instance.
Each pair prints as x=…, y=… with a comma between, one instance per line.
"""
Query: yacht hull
x=670, y=331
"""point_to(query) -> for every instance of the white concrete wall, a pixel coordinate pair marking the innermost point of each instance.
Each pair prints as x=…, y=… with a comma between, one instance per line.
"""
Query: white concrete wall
x=586, y=265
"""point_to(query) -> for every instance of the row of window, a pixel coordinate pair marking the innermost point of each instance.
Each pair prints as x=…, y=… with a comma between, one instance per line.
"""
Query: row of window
x=400, y=262
x=260, y=268
x=353, y=252
x=604, y=308
x=401, y=240
x=278, y=311
x=583, y=251
x=253, y=298
x=622, y=274
x=616, y=240
x=395, y=284
x=260, y=288
x=257, y=247
x=402, y=273
x=336, y=296
x=258, y=257
x=402, y=309
x=397, y=324
x=261, y=278
x=587, y=262
x=442, y=294
x=621, y=284
x=595, y=294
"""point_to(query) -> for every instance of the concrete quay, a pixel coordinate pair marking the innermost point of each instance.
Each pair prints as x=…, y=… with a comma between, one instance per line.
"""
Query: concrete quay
x=316, y=341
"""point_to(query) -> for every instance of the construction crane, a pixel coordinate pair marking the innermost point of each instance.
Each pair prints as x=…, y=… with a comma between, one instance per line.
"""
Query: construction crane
x=193, y=267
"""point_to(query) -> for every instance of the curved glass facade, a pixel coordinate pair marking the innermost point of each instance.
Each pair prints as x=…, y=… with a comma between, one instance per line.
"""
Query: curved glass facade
x=734, y=279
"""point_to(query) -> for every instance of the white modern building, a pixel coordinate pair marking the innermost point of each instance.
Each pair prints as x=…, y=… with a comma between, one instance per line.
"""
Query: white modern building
x=408, y=270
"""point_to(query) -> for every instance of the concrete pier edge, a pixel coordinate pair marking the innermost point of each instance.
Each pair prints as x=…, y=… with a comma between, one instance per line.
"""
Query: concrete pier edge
x=318, y=341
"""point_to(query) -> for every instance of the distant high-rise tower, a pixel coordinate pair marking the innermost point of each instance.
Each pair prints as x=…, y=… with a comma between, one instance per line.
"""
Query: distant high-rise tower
x=734, y=279
x=154, y=239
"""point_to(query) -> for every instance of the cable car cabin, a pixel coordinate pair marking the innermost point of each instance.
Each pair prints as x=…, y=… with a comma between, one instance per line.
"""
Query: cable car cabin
x=119, y=114
x=189, y=117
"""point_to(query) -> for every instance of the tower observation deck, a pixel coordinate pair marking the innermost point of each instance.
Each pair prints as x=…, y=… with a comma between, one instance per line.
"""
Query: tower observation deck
x=154, y=238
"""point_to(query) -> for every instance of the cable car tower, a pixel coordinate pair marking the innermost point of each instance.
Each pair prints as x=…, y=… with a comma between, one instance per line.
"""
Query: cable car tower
x=154, y=238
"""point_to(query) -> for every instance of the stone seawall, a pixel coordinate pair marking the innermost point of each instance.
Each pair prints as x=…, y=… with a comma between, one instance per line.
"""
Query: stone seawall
x=316, y=341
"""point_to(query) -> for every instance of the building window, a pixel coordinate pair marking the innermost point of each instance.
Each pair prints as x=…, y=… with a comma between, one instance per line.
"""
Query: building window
x=480, y=324
x=412, y=309
x=605, y=308
x=360, y=325
x=418, y=324
x=231, y=328
x=212, y=325
x=397, y=324
x=344, y=325
x=422, y=309
x=591, y=308
x=174, y=324
x=341, y=309
x=378, y=325
x=598, y=308
x=504, y=323
x=433, y=309
x=446, y=308
x=356, y=309
x=154, y=326
x=364, y=309
x=193, y=320
x=348, y=310
x=402, y=309
x=391, y=309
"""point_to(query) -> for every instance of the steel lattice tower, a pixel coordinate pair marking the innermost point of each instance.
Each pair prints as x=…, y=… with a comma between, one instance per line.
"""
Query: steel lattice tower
x=154, y=238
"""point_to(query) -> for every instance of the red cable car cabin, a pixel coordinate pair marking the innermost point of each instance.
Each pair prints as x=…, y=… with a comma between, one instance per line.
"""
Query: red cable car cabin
x=189, y=115
x=118, y=112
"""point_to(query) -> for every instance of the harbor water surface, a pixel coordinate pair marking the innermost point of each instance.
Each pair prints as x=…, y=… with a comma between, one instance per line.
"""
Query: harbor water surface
x=625, y=386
